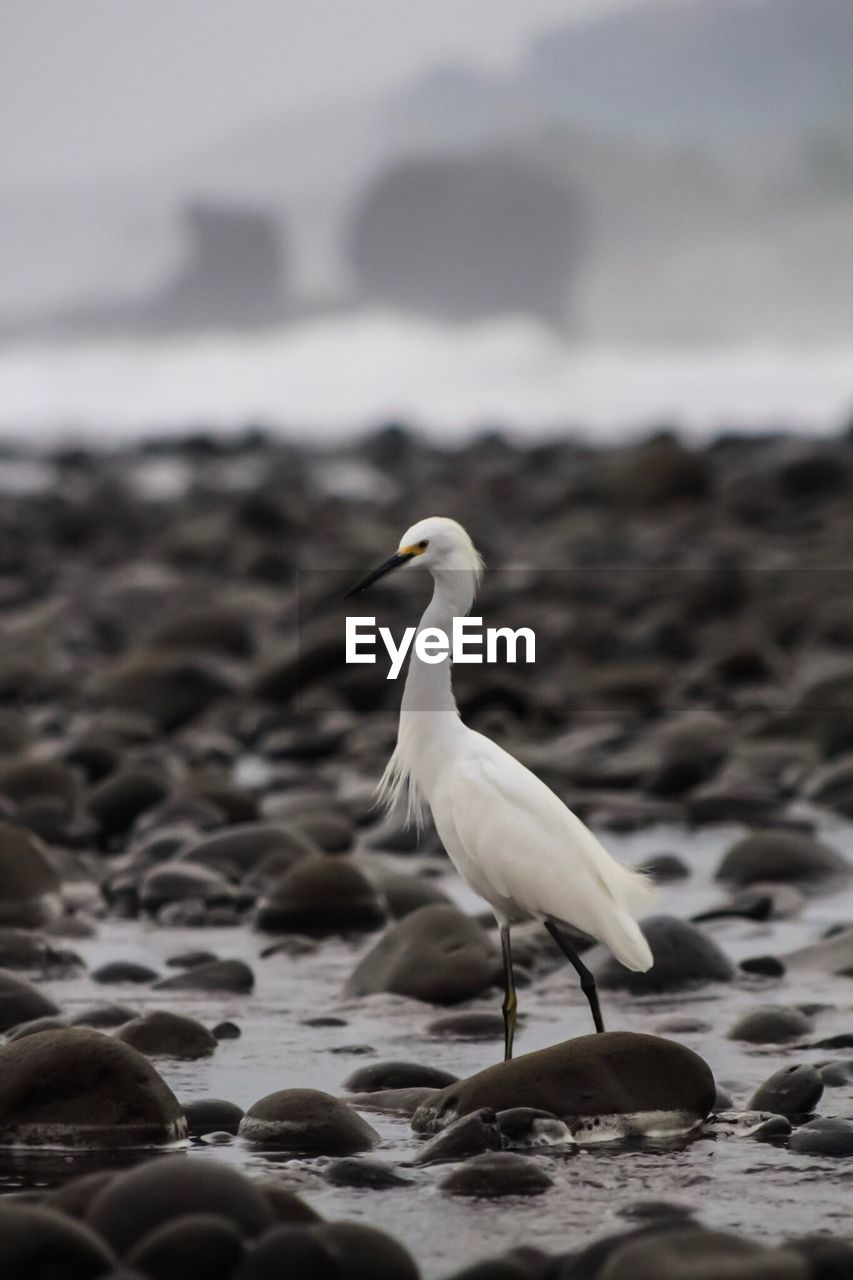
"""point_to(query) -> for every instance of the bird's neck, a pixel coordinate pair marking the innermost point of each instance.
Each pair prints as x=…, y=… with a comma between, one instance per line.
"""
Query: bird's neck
x=428, y=684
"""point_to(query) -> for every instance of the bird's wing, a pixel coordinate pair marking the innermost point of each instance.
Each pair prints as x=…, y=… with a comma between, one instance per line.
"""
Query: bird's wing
x=532, y=848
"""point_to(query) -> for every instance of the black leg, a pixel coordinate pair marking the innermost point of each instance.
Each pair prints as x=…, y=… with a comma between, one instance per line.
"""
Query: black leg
x=587, y=980
x=510, y=1004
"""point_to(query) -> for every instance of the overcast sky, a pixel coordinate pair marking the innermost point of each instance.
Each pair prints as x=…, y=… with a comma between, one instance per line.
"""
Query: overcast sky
x=90, y=88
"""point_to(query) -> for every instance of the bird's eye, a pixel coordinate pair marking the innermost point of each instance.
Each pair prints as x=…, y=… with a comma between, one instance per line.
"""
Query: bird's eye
x=423, y=544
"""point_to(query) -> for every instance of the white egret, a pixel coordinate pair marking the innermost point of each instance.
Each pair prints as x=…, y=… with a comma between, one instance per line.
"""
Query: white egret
x=509, y=836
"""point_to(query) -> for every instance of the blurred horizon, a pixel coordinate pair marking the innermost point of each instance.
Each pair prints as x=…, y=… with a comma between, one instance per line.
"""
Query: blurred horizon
x=549, y=198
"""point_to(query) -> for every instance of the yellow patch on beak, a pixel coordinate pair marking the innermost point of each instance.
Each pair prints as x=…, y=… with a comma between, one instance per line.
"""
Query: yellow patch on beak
x=413, y=550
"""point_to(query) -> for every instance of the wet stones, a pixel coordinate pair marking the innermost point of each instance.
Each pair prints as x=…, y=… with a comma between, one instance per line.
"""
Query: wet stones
x=833, y=954
x=242, y=848
x=363, y=1253
x=497, y=1173
x=289, y=1249
x=405, y=893
x=196, y=1246
x=118, y=801
x=526, y=1127
x=327, y=1251
x=684, y=956
x=220, y=631
x=146, y=1197
x=680, y=1250
x=232, y=976
x=23, y=949
x=184, y=882
x=38, y=1242
x=824, y=1137
x=772, y=1024
x=171, y=688
x=791, y=1091
x=117, y=971
x=774, y=855
x=307, y=1121
x=321, y=894
x=28, y=880
x=601, y=1086
x=400, y=1102
x=103, y=1016
x=161, y=1034
x=75, y=1087
x=478, y=1024
x=435, y=954
x=469, y=1135
x=211, y=1115
x=364, y=1173
x=763, y=967
x=397, y=1075
x=22, y=1001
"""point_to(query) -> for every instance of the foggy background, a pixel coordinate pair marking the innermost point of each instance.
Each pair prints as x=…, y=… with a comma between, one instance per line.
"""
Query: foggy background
x=597, y=214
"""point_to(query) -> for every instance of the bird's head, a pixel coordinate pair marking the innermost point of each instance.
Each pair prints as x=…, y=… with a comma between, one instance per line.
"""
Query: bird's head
x=436, y=543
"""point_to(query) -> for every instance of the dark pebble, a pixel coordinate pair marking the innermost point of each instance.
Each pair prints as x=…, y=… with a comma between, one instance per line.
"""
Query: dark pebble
x=190, y=959
x=524, y=1127
x=837, y=1074
x=286, y=1253
x=34, y=1027
x=75, y=1087
x=792, y=856
x=614, y=1074
x=684, y=956
x=397, y=1075
x=436, y=954
x=791, y=1091
x=227, y=1031
x=162, y=1034
x=364, y=1253
x=676, y=1251
x=364, y=1173
x=829, y=1259
x=764, y=966
x=74, y=1197
x=230, y=976
x=139, y=1201
x=37, y=1243
x=468, y=1026
x=118, y=801
x=773, y=1024
x=321, y=894
x=196, y=1246
x=497, y=1173
x=468, y=1136
x=124, y=971
x=21, y=1001
x=205, y=1115
x=830, y=1137
x=102, y=1017
x=307, y=1121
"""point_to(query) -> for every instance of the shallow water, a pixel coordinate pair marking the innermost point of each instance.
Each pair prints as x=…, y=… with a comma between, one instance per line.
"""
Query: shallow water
x=758, y=1189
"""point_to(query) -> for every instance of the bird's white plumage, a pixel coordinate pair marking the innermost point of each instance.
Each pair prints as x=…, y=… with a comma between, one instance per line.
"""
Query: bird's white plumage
x=510, y=837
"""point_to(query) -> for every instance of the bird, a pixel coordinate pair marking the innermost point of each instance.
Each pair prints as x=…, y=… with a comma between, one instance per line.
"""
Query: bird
x=510, y=837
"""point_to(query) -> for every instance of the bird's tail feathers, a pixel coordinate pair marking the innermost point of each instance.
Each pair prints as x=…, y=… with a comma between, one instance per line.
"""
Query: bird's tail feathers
x=625, y=939
x=398, y=789
x=632, y=893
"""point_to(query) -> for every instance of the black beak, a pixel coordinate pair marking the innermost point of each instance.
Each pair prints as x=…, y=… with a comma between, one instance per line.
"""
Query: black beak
x=394, y=563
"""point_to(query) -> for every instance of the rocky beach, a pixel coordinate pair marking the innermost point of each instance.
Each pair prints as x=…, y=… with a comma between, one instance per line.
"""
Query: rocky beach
x=251, y=1024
